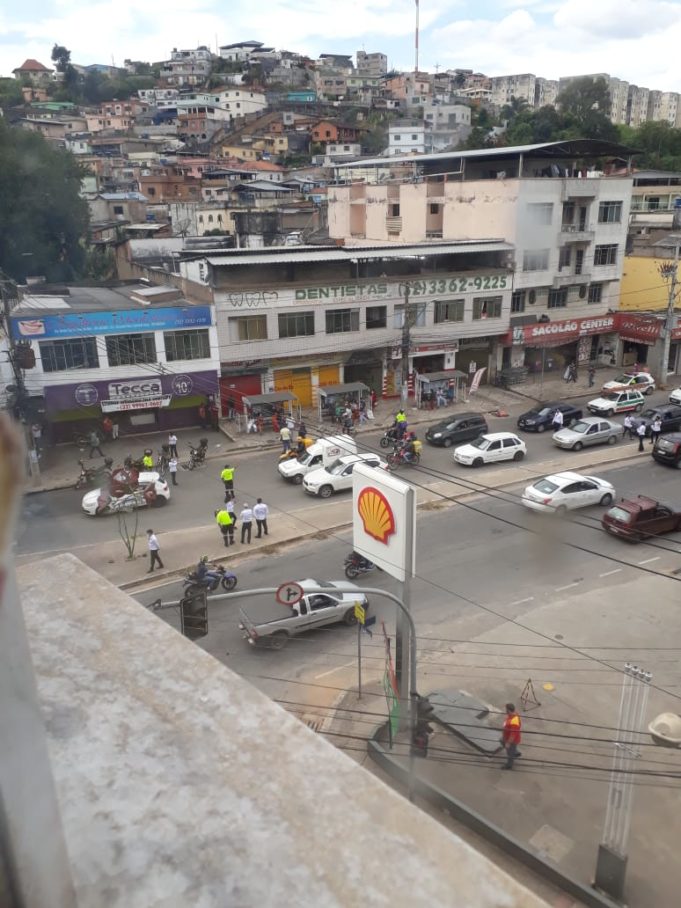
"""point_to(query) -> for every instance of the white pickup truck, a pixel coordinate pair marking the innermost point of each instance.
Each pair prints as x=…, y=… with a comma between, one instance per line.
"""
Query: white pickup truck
x=323, y=452
x=335, y=605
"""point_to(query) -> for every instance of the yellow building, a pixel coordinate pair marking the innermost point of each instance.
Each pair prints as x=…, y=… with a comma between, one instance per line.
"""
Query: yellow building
x=643, y=289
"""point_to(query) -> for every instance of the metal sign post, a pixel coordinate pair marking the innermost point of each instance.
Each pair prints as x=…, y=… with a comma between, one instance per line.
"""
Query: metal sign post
x=360, y=615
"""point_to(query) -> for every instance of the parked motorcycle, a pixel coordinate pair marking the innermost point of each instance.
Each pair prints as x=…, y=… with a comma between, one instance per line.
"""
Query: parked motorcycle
x=390, y=438
x=356, y=564
x=90, y=475
x=227, y=580
x=197, y=456
x=399, y=457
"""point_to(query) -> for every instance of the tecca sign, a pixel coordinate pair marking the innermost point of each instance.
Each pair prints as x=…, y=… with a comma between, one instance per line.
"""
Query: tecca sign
x=130, y=390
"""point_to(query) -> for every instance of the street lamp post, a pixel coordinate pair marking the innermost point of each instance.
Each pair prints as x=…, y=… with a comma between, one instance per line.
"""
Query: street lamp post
x=669, y=273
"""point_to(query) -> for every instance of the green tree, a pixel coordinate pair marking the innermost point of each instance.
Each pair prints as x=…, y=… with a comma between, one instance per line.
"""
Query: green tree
x=61, y=57
x=585, y=104
x=43, y=219
x=10, y=93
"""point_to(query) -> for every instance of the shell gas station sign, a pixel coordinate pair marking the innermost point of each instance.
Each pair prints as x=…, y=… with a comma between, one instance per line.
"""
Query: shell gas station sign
x=384, y=520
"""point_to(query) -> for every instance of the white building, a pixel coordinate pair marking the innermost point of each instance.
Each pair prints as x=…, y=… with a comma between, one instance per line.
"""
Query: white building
x=567, y=225
x=187, y=67
x=239, y=52
x=505, y=88
x=406, y=137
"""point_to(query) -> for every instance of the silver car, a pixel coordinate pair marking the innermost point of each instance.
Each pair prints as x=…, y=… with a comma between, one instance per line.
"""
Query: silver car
x=592, y=430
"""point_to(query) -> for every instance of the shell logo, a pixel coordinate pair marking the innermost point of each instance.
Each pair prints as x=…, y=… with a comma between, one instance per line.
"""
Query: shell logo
x=377, y=515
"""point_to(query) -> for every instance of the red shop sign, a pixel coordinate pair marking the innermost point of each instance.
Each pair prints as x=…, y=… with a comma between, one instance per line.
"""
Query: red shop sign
x=639, y=328
x=552, y=334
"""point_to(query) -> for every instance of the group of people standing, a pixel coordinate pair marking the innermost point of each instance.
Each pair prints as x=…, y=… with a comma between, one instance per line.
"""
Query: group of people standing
x=226, y=516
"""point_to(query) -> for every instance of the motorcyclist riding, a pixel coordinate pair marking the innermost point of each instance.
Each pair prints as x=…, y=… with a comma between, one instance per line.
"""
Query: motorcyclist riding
x=204, y=573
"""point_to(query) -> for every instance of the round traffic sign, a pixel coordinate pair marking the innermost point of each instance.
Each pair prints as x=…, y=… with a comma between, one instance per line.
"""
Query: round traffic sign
x=289, y=593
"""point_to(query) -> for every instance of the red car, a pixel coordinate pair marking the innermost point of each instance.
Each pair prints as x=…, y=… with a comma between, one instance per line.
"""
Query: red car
x=640, y=518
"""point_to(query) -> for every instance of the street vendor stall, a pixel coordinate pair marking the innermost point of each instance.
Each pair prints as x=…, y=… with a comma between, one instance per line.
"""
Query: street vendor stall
x=334, y=397
x=265, y=411
x=440, y=388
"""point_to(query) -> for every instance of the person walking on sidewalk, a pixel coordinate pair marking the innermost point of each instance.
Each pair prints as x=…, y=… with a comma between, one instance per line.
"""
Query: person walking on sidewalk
x=260, y=512
x=285, y=436
x=93, y=441
x=172, y=468
x=154, y=551
x=641, y=432
x=114, y=430
x=655, y=430
x=246, y=517
x=592, y=376
x=172, y=444
x=628, y=426
x=224, y=521
x=227, y=477
x=510, y=736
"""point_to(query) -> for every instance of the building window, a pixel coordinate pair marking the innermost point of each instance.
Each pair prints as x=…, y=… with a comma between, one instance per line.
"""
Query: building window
x=595, y=293
x=518, y=301
x=449, y=311
x=394, y=211
x=487, y=307
x=414, y=137
x=151, y=190
x=118, y=209
x=59, y=355
x=130, y=349
x=564, y=257
x=397, y=138
x=417, y=316
x=536, y=260
x=296, y=324
x=540, y=213
x=605, y=255
x=340, y=320
x=610, y=213
x=434, y=208
x=376, y=316
x=248, y=328
x=187, y=344
x=557, y=298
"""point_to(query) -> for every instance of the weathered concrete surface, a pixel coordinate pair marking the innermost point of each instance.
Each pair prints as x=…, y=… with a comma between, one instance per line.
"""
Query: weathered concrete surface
x=180, y=784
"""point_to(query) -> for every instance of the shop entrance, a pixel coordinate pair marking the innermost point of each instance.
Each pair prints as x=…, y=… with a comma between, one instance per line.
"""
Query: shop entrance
x=371, y=374
x=298, y=381
x=633, y=353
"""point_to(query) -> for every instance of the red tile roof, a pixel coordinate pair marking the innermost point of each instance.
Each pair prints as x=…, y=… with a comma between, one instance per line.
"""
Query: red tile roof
x=32, y=66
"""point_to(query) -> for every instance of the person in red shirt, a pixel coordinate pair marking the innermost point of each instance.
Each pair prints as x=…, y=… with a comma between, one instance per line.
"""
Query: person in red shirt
x=510, y=736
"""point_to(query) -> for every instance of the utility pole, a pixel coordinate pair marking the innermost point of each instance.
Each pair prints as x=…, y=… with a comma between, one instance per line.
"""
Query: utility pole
x=410, y=315
x=612, y=852
x=668, y=272
x=416, y=41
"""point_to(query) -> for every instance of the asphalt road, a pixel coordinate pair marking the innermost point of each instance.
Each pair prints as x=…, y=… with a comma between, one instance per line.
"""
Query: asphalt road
x=477, y=565
x=53, y=521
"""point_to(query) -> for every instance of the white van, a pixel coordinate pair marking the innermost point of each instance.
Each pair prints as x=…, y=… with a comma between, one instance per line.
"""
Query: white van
x=320, y=454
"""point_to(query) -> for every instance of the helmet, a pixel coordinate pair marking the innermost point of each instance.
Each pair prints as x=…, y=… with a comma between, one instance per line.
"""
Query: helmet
x=204, y=558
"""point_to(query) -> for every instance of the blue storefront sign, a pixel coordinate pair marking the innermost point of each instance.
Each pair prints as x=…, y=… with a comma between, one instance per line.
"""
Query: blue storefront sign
x=125, y=321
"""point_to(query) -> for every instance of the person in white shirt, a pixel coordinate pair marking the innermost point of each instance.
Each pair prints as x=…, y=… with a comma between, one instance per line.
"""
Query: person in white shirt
x=655, y=429
x=154, y=551
x=172, y=444
x=260, y=512
x=557, y=421
x=641, y=432
x=172, y=467
x=628, y=426
x=246, y=518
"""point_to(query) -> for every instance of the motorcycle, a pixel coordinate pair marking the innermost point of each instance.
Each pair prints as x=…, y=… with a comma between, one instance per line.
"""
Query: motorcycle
x=197, y=456
x=90, y=475
x=390, y=437
x=399, y=457
x=356, y=564
x=227, y=580
x=163, y=460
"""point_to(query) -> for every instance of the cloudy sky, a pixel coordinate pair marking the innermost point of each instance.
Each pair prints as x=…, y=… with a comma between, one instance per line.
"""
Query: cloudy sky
x=637, y=40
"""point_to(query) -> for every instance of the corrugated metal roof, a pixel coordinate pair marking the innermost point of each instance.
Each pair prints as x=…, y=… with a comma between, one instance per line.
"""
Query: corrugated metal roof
x=348, y=253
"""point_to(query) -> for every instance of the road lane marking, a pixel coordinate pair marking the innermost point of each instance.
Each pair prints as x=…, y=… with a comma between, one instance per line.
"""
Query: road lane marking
x=336, y=669
x=648, y=560
x=523, y=601
x=568, y=586
x=610, y=573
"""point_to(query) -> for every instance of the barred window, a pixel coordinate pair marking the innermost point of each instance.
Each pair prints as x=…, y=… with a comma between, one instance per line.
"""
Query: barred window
x=610, y=213
x=339, y=321
x=595, y=293
x=130, y=349
x=449, y=310
x=187, y=345
x=557, y=298
x=296, y=324
x=77, y=353
x=518, y=301
x=605, y=255
x=487, y=307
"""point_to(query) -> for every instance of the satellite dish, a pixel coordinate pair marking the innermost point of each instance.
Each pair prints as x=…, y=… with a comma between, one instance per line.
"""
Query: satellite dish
x=666, y=730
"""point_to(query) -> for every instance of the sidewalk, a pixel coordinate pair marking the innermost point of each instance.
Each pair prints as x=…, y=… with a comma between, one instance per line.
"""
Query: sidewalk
x=59, y=465
x=182, y=548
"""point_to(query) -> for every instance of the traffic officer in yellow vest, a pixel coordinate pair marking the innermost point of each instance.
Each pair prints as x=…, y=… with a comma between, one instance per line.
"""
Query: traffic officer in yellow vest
x=224, y=520
x=227, y=477
x=148, y=460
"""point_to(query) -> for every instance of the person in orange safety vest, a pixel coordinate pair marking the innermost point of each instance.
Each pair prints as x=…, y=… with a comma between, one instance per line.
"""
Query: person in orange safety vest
x=510, y=736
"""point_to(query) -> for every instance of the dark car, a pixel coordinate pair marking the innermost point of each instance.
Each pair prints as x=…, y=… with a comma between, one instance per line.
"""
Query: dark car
x=640, y=518
x=668, y=414
x=667, y=449
x=460, y=427
x=541, y=417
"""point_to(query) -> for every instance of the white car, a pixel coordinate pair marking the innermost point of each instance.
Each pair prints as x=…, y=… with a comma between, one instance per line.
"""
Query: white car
x=675, y=396
x=490, y=449
x=338, y=476
x=568, y=491
x=636, y=381
x=150, y=490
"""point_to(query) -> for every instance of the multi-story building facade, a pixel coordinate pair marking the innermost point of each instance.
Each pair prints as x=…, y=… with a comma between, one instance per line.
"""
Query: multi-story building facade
x=187, y=67
x=568, y=230
x=521, y=87
x=300, y=318
x=407, y=137
x=372, y=65
x=638, y=106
